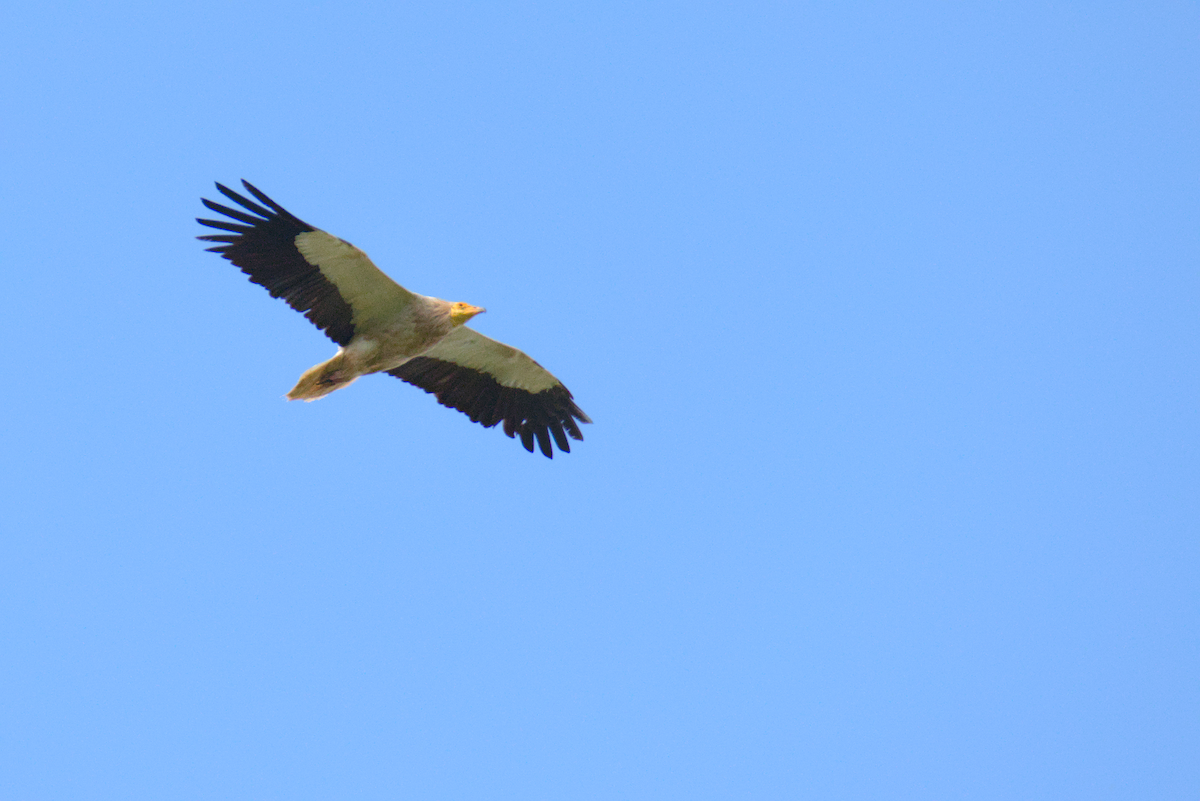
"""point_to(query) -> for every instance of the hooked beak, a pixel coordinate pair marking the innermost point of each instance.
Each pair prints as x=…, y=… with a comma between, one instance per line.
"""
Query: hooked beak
x=462, y=312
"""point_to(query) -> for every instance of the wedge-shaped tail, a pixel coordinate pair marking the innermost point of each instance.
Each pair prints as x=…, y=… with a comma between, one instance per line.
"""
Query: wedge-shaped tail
x=319, y=381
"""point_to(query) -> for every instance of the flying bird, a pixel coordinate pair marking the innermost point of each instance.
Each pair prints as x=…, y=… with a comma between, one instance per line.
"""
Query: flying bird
x=381, y=327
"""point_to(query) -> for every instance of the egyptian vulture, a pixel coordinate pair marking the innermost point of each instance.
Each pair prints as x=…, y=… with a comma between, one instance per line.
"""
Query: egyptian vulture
x=381, y=327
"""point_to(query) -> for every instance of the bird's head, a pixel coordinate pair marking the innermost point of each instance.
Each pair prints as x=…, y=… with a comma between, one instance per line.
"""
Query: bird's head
x=461, y=312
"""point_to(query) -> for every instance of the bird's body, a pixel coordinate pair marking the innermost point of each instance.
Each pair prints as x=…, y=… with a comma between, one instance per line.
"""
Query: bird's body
x=415, y=332
x=382, y=327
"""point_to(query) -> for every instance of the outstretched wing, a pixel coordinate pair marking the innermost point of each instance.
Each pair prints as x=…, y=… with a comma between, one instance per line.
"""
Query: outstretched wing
x=329, y=280
x=491, y=382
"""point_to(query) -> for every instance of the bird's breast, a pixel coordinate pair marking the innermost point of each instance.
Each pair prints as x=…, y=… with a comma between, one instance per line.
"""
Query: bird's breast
x=389, y=346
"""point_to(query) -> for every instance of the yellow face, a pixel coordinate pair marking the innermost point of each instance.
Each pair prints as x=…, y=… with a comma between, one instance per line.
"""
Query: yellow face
x=461, y=312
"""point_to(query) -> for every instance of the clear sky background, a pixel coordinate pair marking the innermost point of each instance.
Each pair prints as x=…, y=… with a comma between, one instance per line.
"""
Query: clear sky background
x=888, y=315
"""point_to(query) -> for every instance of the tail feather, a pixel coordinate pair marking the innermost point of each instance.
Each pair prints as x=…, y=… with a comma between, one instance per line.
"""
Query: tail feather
x=319, y=381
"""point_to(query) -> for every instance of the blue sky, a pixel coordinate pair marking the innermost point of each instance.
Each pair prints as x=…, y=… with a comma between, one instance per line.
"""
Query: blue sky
x=886, y=314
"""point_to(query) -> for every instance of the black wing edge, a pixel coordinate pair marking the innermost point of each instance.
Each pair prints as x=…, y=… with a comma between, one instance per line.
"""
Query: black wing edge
x=262, y=243
x=538, y=416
